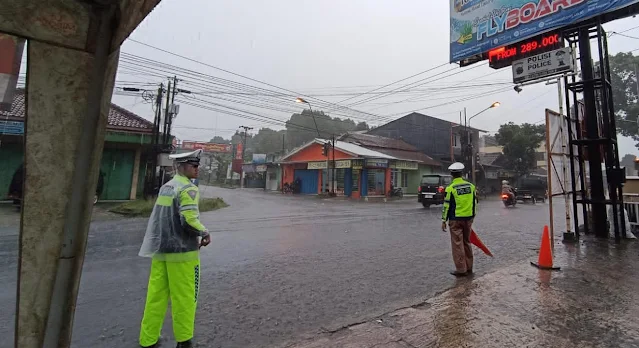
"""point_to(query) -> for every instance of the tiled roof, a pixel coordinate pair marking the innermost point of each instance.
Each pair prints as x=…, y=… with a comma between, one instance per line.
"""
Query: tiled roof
x=119, y=118
x=389, y=146
x=377, y=141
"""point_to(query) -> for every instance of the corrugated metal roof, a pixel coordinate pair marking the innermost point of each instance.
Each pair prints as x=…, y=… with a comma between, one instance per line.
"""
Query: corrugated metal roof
x=119, y=118
x=411, y=156
x=357, y=150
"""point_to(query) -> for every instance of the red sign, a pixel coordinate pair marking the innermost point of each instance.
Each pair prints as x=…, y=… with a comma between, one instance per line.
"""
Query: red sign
x=238, y=152
x=237, y=166
x=504, y=56
x=207, y=147
x=11, y=49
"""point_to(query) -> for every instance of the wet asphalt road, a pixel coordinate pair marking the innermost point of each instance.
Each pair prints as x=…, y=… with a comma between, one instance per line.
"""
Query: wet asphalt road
x=281, y=268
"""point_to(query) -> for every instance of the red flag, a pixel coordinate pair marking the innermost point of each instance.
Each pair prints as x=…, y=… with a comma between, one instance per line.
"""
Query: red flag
x=474, y=239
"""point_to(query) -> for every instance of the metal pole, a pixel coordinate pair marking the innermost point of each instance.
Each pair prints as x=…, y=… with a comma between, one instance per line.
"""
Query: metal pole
x=465, y=148
x=243, y=151
x=166, y=113
x=170, y=117
x=549, y=179
x=564, y=161
x=334, y=169
x=597, y=196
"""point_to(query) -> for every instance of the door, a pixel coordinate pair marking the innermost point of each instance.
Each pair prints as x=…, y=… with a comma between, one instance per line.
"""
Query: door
x=309, y=180
x=11, y=156
x=117, y=166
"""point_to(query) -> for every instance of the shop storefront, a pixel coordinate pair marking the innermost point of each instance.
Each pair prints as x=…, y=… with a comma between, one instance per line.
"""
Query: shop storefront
x=402, y=173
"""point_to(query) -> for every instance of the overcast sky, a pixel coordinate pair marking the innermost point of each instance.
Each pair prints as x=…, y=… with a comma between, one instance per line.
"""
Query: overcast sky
x=328, y=50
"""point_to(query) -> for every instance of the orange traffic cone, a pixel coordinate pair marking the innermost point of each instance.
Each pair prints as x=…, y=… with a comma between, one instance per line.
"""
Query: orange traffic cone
x=474, y=239
x=545, y=253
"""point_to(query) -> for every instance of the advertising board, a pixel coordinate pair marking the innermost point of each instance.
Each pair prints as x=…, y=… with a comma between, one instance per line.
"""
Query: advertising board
x=478, y=26
x=207, y=147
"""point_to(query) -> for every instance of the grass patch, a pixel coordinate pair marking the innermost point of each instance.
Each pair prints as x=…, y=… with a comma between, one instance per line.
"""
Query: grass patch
x=143, y=208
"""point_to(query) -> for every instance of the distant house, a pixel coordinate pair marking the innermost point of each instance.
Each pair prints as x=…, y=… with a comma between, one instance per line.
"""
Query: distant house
x=408, y=178
x=124, y=158
x=440, y=139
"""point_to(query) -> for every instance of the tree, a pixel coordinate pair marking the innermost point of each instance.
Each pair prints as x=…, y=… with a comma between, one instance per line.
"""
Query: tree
x=625, y=93
x=520, y=143
x=219, y=140
x=301, y=128
x=268, y=141
x=628, y=161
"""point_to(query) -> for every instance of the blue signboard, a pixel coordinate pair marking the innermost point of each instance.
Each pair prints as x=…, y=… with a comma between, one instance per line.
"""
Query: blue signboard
x=12, y=127
x=478, y=26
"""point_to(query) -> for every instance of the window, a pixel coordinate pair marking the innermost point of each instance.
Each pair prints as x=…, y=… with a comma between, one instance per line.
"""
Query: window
x=430, y=180
x=394, y=179
x=404, y=179
x=355, y=180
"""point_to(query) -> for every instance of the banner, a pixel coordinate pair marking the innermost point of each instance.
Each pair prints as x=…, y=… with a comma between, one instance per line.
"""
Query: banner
x=477, y=26
x=207, y=147
x=12, y=127
x=11, y=49
x=239, y=149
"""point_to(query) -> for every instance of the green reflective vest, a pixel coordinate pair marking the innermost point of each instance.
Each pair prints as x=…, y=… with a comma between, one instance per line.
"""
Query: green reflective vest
x=460, y=201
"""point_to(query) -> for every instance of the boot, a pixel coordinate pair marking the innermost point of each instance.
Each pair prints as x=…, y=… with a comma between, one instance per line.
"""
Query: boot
x=185, y=344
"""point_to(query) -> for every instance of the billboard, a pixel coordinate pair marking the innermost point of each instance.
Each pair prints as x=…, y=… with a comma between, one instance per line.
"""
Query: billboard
x=259, y=158
x=207, y=147
x=11, y=49
x=477, y=26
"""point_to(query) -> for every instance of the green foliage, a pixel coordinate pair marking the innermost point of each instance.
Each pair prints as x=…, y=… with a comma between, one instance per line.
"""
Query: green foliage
x=143, y=208
x=625, y=93
x=300, y=129
x=520, y=143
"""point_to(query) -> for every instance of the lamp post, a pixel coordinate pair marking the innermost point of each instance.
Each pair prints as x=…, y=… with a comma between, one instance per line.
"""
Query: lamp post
x=470, y=146
x=300, y=100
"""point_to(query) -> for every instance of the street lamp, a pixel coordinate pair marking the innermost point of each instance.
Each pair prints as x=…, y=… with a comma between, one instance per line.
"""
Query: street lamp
x=492, y=106
x=302, y=101
x=467, y=125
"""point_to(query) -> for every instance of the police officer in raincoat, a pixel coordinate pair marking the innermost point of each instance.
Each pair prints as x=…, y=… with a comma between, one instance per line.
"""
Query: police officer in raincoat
x=173, y=238
x=460, y=204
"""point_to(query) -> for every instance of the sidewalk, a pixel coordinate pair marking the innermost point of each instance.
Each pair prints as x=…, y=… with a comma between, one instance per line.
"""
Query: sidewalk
x=592, y=302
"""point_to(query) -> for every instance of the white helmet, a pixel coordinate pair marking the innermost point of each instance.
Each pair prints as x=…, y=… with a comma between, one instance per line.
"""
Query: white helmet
x=192, y=157
x=456, y=167
x=504, y=182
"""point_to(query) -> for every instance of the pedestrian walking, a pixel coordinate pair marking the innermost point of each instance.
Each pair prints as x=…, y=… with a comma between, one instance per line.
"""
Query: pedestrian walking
x=173, y=238
x=459, y=210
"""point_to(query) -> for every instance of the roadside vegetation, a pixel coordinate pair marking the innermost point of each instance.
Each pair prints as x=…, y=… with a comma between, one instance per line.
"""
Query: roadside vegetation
x=143, y=208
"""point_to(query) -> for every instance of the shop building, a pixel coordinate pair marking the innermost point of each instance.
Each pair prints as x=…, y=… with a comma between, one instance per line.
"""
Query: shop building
x=409, y=165
x=359, y=171
x=127, y=145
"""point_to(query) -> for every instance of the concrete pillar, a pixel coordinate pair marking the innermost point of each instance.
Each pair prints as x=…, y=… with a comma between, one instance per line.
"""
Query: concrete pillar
x=68, y=96
x=136, y=174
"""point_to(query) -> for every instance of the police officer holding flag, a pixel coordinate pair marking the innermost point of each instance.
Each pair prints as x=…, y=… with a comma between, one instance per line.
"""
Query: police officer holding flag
x=173, y=238
x=460, y=205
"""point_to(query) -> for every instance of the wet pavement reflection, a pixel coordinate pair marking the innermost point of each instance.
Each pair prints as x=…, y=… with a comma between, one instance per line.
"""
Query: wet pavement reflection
x=591, y=302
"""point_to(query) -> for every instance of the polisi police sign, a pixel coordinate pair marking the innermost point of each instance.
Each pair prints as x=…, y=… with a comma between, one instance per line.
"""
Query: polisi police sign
x=544, y=65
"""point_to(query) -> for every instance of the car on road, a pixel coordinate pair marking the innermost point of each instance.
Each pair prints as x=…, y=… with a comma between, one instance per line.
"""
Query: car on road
x=432, y=189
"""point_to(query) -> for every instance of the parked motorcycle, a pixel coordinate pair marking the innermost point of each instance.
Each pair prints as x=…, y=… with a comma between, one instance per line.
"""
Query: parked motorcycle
x=508, y=200
x=396, y=192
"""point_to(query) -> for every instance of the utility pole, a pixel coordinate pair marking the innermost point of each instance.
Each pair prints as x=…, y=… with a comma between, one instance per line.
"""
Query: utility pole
x=334, y=170
x=155, y=140
x=246, y=129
